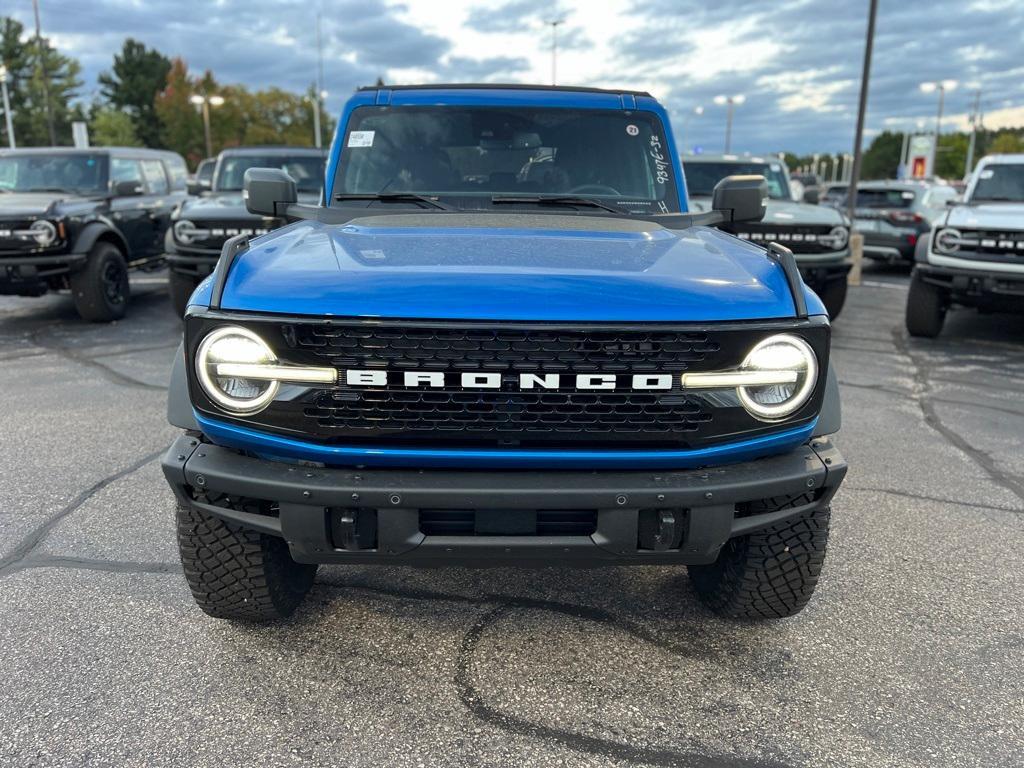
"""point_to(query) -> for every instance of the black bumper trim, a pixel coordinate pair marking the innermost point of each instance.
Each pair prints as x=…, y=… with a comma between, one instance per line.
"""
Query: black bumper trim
x=304, y=497
x=978, y=282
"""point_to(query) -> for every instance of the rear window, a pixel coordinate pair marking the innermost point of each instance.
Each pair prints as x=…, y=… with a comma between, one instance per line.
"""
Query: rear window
x=885, y=198
x=178, y=171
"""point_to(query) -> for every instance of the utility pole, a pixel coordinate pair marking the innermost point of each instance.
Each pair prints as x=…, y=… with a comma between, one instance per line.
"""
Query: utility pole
x=902, y=173
x=857, y=240
x=46, y=76
x=8, y=118
x=554, y=23
x=975, y=119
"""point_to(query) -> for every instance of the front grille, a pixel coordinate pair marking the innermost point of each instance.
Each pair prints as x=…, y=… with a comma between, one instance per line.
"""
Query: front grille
x=509, y=415
x=505, y=412
x=799, y=239
x=10, y=243
x=999, y=243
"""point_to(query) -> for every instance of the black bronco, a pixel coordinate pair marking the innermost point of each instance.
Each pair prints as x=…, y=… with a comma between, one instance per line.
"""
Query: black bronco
x=80, y=219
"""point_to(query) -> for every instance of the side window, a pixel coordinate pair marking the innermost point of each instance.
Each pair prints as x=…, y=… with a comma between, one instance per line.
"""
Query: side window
x=178, y=172
x=123, y=169
x=156, y=179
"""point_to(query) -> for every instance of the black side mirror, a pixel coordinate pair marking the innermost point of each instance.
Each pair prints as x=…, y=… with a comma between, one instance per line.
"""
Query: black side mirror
x=267, y=190
x=741, y=198
x=811, y=196
x=128, y=189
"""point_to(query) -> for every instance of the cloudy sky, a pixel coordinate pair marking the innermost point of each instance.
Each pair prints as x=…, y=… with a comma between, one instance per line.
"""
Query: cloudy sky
x=796, y=61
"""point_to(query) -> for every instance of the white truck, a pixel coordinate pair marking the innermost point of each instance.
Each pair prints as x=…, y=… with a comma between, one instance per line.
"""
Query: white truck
x=974, y=256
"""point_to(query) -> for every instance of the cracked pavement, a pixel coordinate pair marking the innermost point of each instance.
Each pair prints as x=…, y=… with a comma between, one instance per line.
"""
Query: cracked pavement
x=910, y=654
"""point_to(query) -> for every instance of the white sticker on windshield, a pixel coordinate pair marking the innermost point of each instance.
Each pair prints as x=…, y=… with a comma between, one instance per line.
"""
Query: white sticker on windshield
x=632, y=130
x=360, y=139
x=988, y=173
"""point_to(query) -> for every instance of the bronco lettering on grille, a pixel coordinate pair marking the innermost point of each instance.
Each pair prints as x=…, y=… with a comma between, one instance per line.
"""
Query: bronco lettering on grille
x=522, y=381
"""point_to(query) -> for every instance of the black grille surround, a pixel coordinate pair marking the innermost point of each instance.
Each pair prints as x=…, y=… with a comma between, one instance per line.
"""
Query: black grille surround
x=999, y=245
x=509, y=417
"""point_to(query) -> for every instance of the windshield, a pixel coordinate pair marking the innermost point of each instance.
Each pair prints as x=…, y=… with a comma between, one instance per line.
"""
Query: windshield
x=885, y=198
x=701, y=176
x=307, y=170
x=1000, y=183
x=467, y=155
x=62, y=172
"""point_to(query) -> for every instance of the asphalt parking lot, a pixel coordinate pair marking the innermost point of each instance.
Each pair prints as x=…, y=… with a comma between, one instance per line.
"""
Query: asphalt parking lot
x=910, y=654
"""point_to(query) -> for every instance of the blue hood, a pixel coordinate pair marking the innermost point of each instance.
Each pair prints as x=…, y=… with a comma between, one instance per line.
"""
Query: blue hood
x=518, y=266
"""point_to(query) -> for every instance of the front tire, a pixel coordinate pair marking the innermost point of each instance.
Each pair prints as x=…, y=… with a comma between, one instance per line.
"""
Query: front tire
x=769, y=574
x=237, y=573
x=833, y=296
x=926, y=308
x=100, y=290
x=181, y=288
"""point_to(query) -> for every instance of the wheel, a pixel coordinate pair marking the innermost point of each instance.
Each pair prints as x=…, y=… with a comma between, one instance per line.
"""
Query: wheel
x=833, y=296
x=768, y=574
x=180, y=287
x=926, y=307
x=236, y=573
x=100, y=290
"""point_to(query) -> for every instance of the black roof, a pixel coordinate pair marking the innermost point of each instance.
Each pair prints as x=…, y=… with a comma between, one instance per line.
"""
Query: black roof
x=501, y=87
x=91, y=150
x=273, y=149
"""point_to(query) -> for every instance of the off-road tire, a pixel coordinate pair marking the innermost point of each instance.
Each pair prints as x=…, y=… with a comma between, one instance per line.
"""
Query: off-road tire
x=100, y=289
x=769, y=574
x=237, y=573
x=926, y=308
x=833, y=296
x=180, y=287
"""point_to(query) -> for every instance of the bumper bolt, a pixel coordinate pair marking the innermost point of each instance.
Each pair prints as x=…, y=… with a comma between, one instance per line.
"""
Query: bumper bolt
x=306, y=494
x=396, y=499
x=181, y=457
x=708, y=495
x=620, y=500
x=200, y=480
x=810, y=482
x=355, y=497
x=661, y=497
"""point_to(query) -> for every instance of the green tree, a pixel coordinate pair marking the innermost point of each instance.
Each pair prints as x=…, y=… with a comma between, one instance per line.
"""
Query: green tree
x=26, y=60
x=180, y=123
x=1007, y=143
x=138, y=75
x=882, y=157
x=112, y=128
x=951, y=156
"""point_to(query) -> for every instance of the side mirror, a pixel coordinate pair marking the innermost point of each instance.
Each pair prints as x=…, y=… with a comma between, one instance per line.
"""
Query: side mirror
x=811, y=196
x=742, y=198
x=193, y=187
x=128, y=189
x=267, y=190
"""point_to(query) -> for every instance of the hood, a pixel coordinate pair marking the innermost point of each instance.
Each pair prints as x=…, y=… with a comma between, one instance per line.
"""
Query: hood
x=221, y=206
x=786, y=212
x=506, y=267
x=35, y=203
x=986, y=216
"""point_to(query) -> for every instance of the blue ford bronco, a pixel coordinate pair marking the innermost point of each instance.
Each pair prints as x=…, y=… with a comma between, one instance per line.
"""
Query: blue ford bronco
x=501, y=339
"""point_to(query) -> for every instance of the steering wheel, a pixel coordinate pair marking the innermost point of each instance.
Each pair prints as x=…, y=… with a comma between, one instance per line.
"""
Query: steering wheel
x=595, y=189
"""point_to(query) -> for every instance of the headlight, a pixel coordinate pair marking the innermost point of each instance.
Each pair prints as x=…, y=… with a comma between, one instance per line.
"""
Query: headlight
x=239, y=372
x=948, y=240
x=43, y=232
x=782, y=355
x=775, y=380
x=185, y=231
x=840, y=236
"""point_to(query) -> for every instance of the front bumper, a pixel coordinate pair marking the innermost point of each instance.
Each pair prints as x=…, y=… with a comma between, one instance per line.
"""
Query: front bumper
x=894, y=248
x=29, y=274
x=378, y=515
x=818, y=274
x=194, y=262
x=978, y=287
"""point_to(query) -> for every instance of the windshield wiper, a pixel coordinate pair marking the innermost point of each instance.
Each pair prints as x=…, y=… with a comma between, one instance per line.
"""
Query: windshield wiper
x=53, y=189
x=402, y=197
x=559, y=200
x=997, y=199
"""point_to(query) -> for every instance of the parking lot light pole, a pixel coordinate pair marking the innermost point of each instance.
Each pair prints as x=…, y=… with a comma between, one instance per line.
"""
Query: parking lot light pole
x=205, y=102
x=941, y=86
x=317, y=101
x=8, y=118
x=554, y=24
x=730, y=102
x=857, y=239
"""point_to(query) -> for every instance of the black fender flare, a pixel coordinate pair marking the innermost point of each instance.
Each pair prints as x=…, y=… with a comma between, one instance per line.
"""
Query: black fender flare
x=921, y=248
x=830, y=419
x=179, y=406
x=93, y=231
